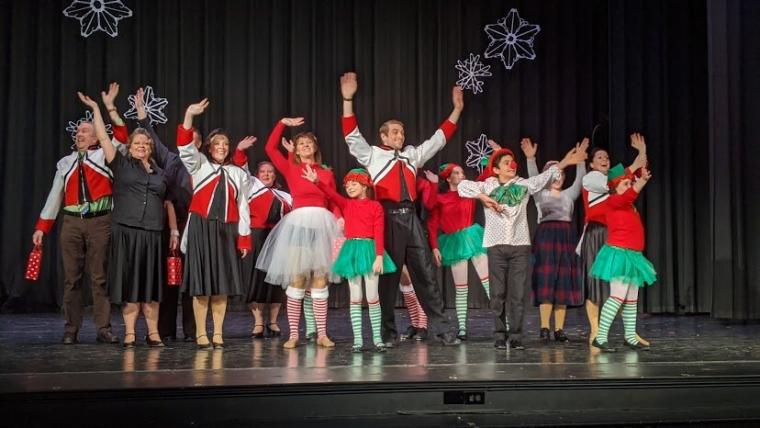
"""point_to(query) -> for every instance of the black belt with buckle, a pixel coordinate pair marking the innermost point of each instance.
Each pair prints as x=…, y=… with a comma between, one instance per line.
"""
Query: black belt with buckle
x=403, y=210
x=87, y=215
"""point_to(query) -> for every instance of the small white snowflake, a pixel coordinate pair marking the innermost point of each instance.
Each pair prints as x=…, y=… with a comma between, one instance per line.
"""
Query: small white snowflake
x=469, y=72
x=477, y=150
x=154, y=107
x=98, y=15
x=511, y=38
x=72, y=127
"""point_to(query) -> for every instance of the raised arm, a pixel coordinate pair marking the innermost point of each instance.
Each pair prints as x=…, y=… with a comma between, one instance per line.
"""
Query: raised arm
x=529, y=150
x=580, y=171
x=239, y=157
x=639, y=143
x=100, y=127
x=160, y=151
x=188, y=153
x=357, y=144
x=271, y=149
x=425, y=151
x=120, y=132
x=540, y=181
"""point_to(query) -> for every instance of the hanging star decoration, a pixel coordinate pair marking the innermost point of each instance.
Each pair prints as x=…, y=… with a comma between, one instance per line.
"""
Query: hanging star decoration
x=72, y=127
x=477, y=150
x=511, y=39
x=154, y=107
x=98, y=15
x=470, y=72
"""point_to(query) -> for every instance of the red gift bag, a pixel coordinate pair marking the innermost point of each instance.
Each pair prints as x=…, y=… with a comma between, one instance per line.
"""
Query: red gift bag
x=34, y=263
x=174, y=269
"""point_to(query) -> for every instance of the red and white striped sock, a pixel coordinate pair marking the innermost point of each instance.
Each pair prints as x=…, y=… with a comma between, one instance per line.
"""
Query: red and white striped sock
x=294, y=302
x=416, y=314
x=319, y=302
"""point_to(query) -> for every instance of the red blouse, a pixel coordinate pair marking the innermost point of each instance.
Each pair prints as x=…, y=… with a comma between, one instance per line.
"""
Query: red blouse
x=450, y=213
x=363, y=217
x=624, y=227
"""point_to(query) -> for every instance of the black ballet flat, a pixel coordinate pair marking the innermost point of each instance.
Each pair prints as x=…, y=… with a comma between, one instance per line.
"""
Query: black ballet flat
x=605, y=347
x=259, y=335
x=272, y=332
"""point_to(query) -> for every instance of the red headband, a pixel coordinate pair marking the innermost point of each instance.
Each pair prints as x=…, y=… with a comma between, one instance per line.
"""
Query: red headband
x=359, y=177
x=447, y=170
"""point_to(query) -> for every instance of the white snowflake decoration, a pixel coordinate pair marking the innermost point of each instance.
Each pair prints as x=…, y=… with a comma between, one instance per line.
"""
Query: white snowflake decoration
x=470, y=70
x=72, y=127
x=477, y=150
x=98, y=15
x=511, y=38
x=154, y=107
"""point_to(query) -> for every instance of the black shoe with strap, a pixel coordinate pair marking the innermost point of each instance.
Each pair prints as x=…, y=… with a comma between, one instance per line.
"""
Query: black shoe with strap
x=217, y=345
x=272, y=332
x=129, y=344
x=543, y=336
x=258, y=335
x=560, y=336
x=154, y=343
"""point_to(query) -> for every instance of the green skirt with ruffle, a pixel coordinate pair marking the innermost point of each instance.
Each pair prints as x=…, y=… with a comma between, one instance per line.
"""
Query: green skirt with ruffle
x=461, y=245
x=620, y=264
x=356, y=258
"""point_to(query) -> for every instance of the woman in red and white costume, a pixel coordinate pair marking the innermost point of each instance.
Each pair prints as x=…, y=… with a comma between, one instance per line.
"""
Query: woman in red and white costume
x=299, y=249
x=267, y=204
x=217, y=228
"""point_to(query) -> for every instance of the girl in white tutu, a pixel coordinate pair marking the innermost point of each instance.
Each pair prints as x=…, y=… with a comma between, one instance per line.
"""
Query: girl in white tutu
x=299, y=248
x=363, y=254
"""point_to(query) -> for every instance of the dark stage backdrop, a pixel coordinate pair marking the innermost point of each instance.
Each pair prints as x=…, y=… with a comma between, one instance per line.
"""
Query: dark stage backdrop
x=645, y=65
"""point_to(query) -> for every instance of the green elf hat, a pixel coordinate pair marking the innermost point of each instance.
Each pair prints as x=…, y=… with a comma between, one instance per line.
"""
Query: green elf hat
x=616, y=174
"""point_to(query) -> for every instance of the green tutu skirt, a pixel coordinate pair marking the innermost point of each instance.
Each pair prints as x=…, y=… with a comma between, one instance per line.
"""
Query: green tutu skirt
x=619, y=264
x=461, y=245
x=356, y=258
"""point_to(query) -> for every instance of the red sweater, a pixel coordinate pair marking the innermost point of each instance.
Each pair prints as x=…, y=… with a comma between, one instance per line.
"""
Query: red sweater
x=597, y=213
x=624, y=227
x=363, y=217
x=304, y=192
x=451, y=213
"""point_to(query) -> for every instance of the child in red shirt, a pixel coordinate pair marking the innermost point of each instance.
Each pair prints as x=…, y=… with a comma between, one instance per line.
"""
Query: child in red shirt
x=363, y=253
x=620, y=260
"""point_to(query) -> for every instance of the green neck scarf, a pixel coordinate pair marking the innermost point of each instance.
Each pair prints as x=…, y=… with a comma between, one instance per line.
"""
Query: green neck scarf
x=511, y=194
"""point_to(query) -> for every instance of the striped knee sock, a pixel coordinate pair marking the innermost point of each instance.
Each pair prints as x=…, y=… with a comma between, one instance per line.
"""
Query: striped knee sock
x=486, y=286
x=629, y=321
x=412, y=304
x=609, y=310
x=308, y=313
x=461, y=305
x=356, y=322
x=294, y=302
x=319, y=302
x=374, y=320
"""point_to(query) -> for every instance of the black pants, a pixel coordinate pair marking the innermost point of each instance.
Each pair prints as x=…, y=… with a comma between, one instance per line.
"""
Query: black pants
x=508, y=267
x=406, y=244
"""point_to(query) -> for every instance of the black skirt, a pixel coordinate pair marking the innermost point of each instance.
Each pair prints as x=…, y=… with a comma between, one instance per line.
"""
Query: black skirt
x=212, y=262
x=259, y=291
x=136, y=265
x=597, y=290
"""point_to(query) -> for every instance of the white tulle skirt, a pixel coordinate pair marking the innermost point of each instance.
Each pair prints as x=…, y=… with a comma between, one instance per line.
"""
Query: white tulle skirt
x=299, y=245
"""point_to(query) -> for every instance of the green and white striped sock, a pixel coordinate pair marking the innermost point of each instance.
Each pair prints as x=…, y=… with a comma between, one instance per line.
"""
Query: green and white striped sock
x=356, y=322
x=487, y=287
x=374, y=320
x=461, y=306
x=629, y=322
x=308, y=314
x=609, y=310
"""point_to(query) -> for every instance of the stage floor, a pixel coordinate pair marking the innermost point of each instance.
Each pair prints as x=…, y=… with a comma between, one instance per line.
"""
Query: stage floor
x=698, y=369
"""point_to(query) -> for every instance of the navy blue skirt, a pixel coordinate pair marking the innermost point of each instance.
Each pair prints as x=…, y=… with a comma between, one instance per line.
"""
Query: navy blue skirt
x=557, y=271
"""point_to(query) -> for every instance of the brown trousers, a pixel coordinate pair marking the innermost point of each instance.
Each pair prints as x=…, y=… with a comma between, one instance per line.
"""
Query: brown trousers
x=85, y=242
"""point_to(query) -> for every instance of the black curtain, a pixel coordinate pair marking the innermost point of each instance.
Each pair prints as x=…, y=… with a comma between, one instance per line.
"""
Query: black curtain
x=642, y=64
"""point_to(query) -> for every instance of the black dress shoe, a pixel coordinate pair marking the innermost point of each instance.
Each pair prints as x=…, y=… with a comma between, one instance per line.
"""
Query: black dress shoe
x=410, y=333
x=70, y=338
x=448, y=339
x=516, y=344
x=500, y=344
x=260, y=334
x=168, y=338
x=422, y=334
x=153, y=343
x=544, y=335
x=605, y=347
x=637, y=347
x=560, y=336
x=272, y=332
x=105, y=336
x=188, y=339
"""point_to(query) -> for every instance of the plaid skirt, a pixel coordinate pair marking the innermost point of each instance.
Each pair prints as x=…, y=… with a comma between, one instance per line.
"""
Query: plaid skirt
x=557, y=271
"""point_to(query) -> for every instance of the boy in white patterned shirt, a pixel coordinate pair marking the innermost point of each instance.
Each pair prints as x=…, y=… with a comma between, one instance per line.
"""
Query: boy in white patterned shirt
x=507, y=237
